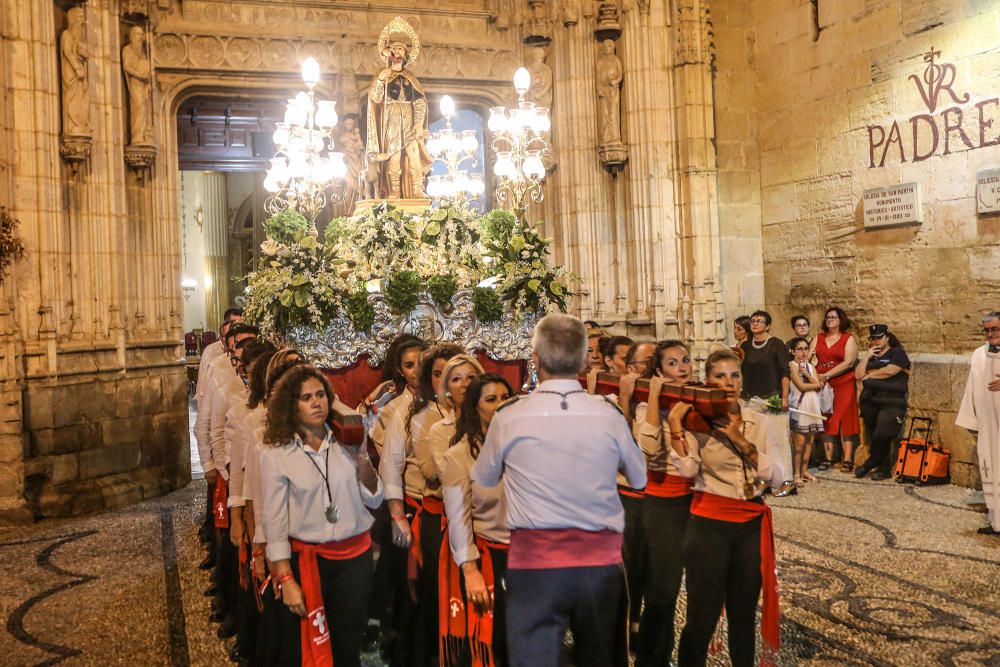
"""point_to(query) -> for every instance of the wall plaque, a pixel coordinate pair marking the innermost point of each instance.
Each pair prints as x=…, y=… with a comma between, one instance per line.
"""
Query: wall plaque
x=988, y=191
x=891, y=206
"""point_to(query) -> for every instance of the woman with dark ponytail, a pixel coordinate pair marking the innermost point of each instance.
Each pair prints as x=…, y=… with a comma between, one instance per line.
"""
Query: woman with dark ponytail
x=478, y=539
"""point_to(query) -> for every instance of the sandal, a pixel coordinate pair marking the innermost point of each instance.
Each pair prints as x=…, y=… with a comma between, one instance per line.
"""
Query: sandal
x=825, y=465
x=809, y=477
x=846, y=466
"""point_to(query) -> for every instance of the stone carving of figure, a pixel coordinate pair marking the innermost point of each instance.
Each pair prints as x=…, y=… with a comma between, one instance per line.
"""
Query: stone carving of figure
x=609, y=81
x=138, y=79
x=541, y=78
x=349, y=143
x=397, y=117
x=571, y=12
x=537, y=27
x=73, y=57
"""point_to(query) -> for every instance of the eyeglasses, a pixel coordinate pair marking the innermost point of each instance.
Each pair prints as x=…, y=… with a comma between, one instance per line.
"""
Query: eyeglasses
x=801, y=324
x=991, y=331
x=801, y=349
x=758, y=320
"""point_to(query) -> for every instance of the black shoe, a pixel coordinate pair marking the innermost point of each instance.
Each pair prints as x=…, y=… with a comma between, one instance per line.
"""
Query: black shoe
x=234, y=655
x=861, y=472
x=227, y=629
x=218, y=602
x=988, y=530
x=371, y=637
x=880, y=476
x=208, y=563
x=825, y=465
x=217, y=616
x=211, y=591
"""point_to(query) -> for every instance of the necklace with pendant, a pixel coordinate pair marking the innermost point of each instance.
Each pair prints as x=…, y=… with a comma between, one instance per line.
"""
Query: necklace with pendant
x=332, y=512
x=563, y=404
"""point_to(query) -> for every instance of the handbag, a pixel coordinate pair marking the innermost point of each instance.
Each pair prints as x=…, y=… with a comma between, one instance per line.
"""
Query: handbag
x=826, y=399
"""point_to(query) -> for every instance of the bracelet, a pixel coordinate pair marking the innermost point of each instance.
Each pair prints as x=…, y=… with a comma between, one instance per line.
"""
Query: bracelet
x=259, y=552
x=284, y=577
x=676, y=436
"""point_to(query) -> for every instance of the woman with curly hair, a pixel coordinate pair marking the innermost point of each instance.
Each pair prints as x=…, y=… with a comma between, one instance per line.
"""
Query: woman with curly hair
x=478, y=538
x=317, y=493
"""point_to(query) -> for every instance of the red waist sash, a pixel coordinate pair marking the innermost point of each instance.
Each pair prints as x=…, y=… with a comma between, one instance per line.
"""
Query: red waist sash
x=220, y=500
x=563, y=547
x=465, y=629
x=314, y=632
x=664, y=485
x=629, y=492
x=711, y=506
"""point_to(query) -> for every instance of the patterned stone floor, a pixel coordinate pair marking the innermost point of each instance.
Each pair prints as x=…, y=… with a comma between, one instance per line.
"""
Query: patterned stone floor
x=871, y=574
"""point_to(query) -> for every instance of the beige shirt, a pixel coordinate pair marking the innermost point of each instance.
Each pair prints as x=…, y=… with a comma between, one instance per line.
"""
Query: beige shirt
x=472, y=509
x=400, y=466
x=716, y=468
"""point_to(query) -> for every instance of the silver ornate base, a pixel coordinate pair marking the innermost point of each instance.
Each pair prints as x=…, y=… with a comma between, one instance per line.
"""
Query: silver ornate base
x=339, y=345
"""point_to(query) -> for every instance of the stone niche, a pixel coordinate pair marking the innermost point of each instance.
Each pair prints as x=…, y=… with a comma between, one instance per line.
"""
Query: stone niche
x=84, y=453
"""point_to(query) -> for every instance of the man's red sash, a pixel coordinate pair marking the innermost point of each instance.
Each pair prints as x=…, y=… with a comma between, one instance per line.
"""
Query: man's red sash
x=314, y=631
x=716, y=507
x=663, y=485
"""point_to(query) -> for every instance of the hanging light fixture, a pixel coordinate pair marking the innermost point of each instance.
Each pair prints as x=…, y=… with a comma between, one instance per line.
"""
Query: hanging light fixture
x=306, y=173
x=520, y=139
x=457, y=152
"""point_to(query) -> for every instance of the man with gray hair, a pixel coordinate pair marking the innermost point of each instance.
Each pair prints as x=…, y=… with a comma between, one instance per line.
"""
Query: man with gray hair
x=559, y=451
x=980, y=413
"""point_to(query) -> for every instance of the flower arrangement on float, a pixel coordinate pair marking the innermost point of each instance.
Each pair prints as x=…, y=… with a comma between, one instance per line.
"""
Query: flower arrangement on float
x=445, y=272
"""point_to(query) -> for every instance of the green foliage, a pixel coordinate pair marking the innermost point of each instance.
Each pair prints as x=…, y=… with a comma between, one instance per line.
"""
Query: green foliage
x=287, y=227
x=402, y=291
x=497, y=226
x=486, y=305
x=11, y=247
x=360, y=312
x=442, y=288
x=527, y=279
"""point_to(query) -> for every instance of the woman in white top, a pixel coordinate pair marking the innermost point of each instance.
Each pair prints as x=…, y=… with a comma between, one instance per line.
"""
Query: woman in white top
x=458, y=374
x=728, y=545
x=317, y=495
x=665, y=510
x=477, y=536
x=803, y=395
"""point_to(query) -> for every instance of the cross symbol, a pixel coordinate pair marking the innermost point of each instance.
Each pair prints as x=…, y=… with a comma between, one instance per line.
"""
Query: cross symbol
x=320, y=622
x=222, y=511
x=455, y=607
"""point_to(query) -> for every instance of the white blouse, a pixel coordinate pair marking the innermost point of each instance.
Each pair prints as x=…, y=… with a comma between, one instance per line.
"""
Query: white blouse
x=472, y=509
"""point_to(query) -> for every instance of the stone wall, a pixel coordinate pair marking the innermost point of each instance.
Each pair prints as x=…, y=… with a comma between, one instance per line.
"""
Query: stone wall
x=823, y=74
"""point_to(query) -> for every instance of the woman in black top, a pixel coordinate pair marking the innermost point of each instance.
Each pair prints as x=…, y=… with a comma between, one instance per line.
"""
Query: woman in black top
x=884, y=372
x=765, y=375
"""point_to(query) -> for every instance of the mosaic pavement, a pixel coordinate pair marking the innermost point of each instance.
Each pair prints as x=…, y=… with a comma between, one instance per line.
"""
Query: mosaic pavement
x=871, y=574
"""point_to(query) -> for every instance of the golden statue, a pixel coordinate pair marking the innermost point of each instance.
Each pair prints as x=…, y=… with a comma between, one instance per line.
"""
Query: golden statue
x=397, y=118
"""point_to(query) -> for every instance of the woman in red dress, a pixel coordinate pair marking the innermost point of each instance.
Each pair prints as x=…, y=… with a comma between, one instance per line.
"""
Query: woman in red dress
x=836, y=353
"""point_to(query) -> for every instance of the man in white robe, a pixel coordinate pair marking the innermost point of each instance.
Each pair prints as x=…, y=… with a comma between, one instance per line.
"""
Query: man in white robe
x=980, y=413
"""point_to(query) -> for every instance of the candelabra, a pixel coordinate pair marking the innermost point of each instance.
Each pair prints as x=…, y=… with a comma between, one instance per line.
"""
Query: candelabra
x=520, y=138
x=305, y=170
x=454, y=150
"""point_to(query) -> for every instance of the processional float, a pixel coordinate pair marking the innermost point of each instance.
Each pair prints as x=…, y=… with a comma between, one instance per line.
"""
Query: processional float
x=415, y=256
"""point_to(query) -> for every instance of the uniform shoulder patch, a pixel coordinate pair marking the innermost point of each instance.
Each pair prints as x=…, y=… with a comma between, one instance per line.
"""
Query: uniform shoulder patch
x=614, y=404
x=510, y=401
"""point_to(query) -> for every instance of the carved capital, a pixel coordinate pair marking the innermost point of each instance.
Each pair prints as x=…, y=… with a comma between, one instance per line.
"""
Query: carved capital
x=613, y=157
x=75, y=148
x=694, y=33
x=140, y=157
x=608, y=24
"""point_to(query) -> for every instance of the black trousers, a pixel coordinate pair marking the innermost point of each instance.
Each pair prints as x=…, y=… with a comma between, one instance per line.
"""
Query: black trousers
x=408, y=645
x=665, y=521
x=882, y=424
x=722, y=566
x=428, y=584
x=378, y=606
x=248, y=616
x=268, y=644
x=589, y=601
x=634, y=554
x=346, y=587
x=227, y=576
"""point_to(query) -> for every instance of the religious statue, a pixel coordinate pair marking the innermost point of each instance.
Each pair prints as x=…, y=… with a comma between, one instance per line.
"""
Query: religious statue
x=541, y=79
x=609, y=81
x=73, y=57
x=537, y=28
x=138, y=79
x=397, y=117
